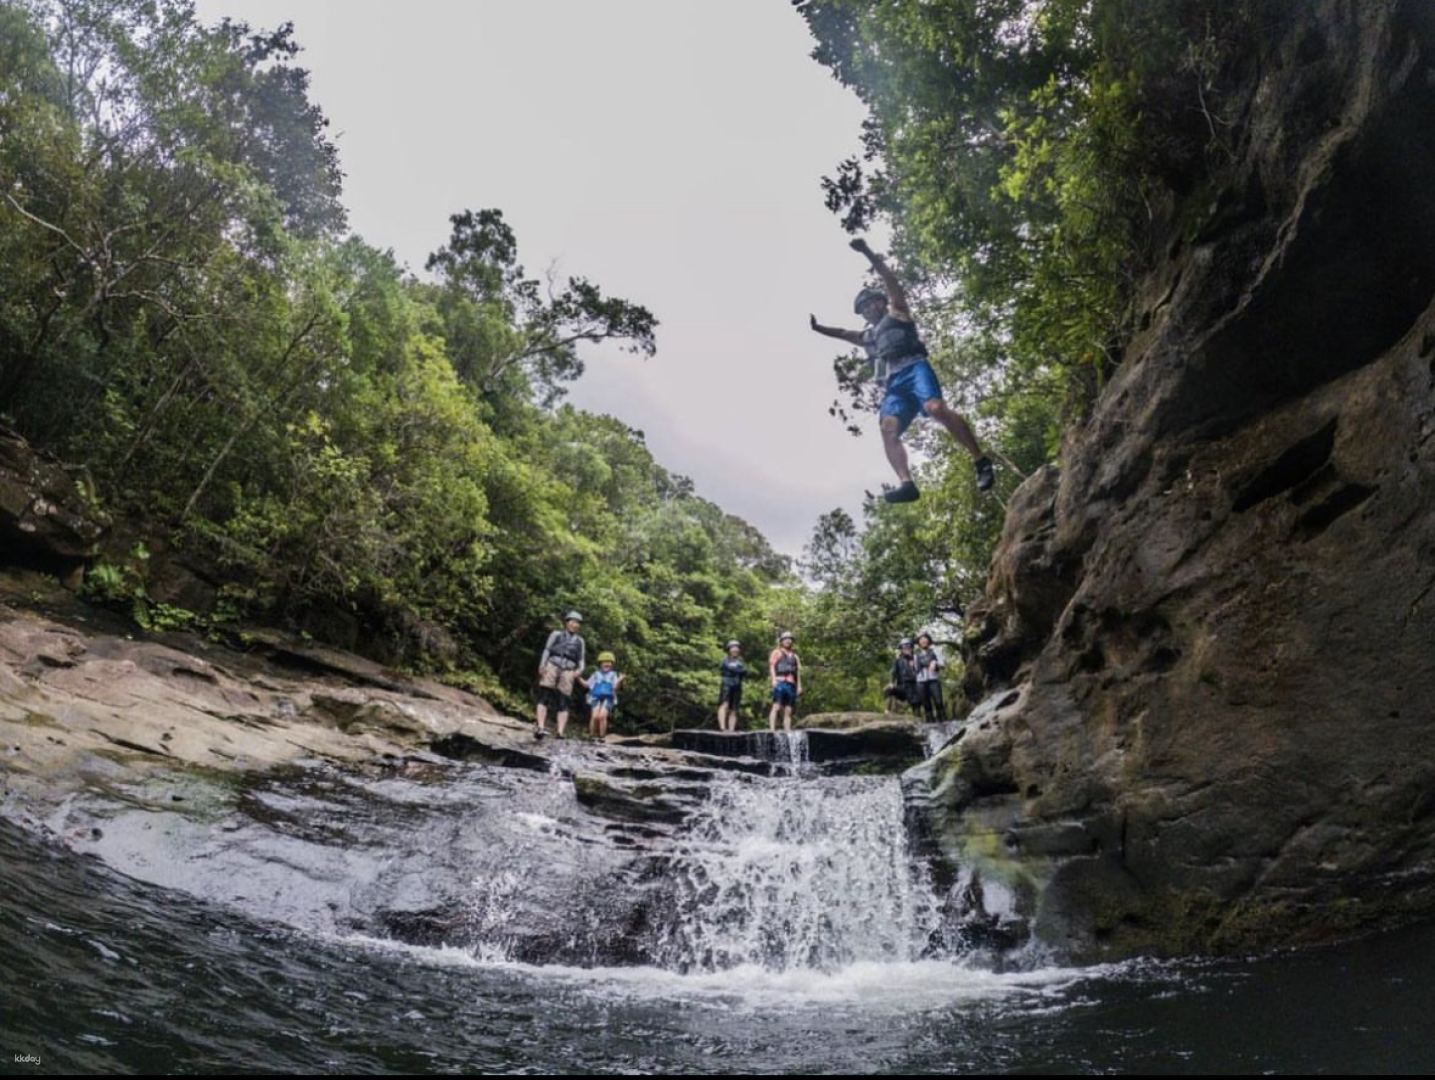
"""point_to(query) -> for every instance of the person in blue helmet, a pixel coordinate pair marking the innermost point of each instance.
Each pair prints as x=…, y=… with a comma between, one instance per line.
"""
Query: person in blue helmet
x=910, y=385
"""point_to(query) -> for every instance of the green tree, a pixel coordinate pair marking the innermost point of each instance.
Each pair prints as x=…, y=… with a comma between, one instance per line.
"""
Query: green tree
x=507, y=331
x=340, y=447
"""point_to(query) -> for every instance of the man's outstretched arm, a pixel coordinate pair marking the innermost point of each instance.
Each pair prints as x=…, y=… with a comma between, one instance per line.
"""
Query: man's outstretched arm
x=853, y=337
x=896, y=297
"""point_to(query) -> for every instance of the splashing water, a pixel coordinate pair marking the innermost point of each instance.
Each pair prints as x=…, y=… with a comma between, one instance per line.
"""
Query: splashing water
x=789, y=749
x=788, y=875
x=938, y=735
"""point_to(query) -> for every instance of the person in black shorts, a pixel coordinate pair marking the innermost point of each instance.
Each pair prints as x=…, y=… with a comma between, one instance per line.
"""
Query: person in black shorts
x=730, y=695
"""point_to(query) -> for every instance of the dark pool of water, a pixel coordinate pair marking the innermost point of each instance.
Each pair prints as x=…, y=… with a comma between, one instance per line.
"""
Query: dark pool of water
x=102, y=974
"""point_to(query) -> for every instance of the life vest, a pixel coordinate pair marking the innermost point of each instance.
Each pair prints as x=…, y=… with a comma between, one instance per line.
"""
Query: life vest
x=565, y=646
x=904, y=669
x=603, y=685
x=733, y=671
x=786, y=663
x=892, y=344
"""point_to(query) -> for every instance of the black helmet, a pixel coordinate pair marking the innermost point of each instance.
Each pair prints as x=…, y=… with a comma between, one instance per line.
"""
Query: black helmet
x=867, y=293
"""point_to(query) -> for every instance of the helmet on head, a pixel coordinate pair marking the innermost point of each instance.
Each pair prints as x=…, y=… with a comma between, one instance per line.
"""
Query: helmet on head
x=905, y=643
x=572, y=616
x=867, y=293
x=734, y=644
x=607, y=658
x=786, y=635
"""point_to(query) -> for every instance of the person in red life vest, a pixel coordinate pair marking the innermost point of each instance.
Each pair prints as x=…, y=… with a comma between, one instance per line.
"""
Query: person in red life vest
x=786, y=671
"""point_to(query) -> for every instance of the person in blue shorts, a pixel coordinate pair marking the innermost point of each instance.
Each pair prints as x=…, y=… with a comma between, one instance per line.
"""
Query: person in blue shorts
x=900, y=359
x=602, y=695
x=785, y=669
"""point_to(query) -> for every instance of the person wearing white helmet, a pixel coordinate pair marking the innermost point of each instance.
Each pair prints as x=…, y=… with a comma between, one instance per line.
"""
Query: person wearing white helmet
x=559, y=665
x=730, y=694
x=910, y=385
x=785, y=669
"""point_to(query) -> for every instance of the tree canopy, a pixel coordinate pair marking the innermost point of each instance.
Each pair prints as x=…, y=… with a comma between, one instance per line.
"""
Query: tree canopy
x=330, y=441
x=1021, y=154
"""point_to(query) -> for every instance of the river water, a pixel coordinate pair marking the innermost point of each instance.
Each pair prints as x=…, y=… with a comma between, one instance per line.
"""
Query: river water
x=781, y=927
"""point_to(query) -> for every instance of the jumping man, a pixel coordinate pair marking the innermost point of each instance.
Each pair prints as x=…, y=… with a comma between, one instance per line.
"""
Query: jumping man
x=899, y=357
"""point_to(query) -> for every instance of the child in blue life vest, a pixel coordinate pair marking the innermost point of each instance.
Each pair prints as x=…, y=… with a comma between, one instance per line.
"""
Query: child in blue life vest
x=602, y=695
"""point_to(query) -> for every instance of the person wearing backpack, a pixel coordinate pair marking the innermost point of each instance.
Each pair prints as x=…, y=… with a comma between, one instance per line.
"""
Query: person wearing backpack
x=559, y=665
x=899, y=360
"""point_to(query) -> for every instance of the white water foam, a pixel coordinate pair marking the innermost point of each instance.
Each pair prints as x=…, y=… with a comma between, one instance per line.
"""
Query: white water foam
x=791, y=750
x=938, y=734
x=813, y=875
x=896, y=989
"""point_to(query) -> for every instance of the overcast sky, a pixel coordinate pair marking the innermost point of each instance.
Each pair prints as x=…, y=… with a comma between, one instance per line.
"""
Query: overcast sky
x=669, y=150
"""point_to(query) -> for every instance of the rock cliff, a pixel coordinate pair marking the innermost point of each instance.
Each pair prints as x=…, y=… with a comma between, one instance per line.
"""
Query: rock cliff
x=1208, y=640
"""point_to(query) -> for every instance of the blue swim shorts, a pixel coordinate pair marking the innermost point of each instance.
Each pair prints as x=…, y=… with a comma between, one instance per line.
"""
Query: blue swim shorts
x=908, y=390
x=784, y=693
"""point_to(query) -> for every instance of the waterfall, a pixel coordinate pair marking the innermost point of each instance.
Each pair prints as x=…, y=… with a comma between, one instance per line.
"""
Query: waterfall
x=788, y=749
x=808, y=874
x=938, y=734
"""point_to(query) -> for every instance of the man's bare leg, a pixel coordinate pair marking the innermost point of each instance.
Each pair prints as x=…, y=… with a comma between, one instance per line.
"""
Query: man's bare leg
x=952, y=420
x=896, y=452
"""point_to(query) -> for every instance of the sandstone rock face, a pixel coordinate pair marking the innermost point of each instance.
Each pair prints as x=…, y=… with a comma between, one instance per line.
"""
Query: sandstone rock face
x=77, y=704
x=1221, y=612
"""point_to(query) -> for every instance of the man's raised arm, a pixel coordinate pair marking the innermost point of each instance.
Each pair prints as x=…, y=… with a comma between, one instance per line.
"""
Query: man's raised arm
x=896, y=298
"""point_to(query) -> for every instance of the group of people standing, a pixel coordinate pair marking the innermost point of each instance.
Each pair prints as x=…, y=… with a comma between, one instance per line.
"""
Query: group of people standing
x=784, y=672
x=915, y=680
x=561, y=666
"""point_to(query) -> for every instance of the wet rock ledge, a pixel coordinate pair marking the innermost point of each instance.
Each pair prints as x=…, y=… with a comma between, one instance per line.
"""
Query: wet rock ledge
x=828, y=743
